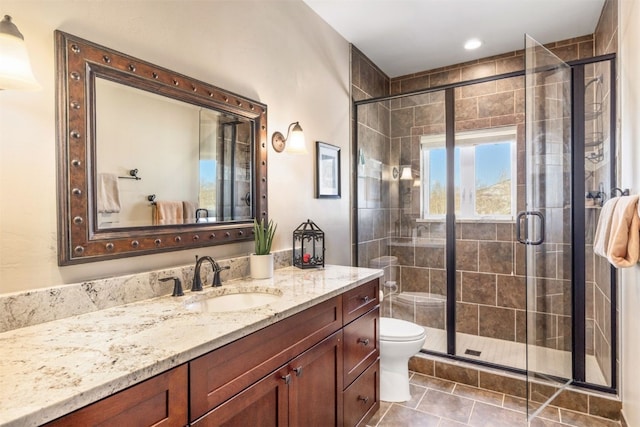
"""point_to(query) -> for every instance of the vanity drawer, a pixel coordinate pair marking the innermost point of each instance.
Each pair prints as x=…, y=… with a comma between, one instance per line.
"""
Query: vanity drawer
x=222, y=373
x=158, y=401
x=361, y=398
x=361, y=338
x=360, y=300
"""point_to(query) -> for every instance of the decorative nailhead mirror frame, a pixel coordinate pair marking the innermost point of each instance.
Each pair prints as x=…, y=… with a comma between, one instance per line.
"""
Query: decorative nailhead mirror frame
x=78, y=62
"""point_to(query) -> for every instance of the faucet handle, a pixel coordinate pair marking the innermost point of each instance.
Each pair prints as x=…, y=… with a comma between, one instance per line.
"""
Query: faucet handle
x=177, y=286
x=217, y=281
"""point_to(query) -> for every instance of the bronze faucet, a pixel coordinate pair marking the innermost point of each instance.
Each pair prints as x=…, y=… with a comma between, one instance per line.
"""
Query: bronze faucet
x=197, y=281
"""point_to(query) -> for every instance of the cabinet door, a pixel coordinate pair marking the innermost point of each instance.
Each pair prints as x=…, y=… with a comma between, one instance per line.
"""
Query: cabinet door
x=158, y=401
x=316, y=386
x=263, y=404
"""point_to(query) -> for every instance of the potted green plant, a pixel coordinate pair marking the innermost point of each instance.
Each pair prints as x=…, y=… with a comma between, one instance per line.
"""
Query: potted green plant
x=261, y=262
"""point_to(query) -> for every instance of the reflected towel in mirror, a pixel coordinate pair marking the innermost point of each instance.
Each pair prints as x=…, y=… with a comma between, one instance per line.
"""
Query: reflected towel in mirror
x=189, y=211
x=167, y=212
x=108, y=193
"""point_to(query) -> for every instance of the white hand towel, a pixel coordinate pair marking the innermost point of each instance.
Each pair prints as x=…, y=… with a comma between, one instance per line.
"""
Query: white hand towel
x=108, y=194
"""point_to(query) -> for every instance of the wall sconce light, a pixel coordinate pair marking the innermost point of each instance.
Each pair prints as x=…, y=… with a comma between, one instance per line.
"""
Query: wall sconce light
x=15, y=68
x=406, y=173
x=294, y=142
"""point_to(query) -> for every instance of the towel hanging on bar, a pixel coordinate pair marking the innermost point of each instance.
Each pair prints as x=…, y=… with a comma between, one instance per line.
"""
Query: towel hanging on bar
x=108, y=197
x=618, y=232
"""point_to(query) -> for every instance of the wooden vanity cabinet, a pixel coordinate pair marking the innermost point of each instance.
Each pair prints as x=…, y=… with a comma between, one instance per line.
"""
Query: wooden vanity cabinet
x=221, y=374
x=361, y=353
x=158, y=401
x=318, y=367
x=304, y=392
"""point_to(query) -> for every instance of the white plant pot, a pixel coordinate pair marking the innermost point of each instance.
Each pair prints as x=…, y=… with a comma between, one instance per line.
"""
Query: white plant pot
x=261, y=266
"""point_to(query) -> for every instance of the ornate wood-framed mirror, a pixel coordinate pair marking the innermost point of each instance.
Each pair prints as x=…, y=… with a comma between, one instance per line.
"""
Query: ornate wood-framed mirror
x=150, y=160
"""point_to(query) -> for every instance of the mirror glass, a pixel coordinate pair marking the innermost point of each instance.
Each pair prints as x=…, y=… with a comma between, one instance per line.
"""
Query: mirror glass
x=150, y=160
x=160, y=161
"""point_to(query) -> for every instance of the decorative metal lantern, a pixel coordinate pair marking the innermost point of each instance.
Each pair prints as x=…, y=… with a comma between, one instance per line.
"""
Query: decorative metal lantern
x=308, y=246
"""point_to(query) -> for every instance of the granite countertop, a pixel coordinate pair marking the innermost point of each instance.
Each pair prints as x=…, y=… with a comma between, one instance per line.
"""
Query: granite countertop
x=54, y=368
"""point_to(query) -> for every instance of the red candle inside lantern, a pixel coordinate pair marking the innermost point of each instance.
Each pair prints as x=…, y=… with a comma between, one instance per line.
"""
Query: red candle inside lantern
x=306, y=258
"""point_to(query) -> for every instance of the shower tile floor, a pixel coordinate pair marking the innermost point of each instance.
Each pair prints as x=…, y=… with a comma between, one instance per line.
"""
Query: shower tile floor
x=439, y=403
x=509, y=353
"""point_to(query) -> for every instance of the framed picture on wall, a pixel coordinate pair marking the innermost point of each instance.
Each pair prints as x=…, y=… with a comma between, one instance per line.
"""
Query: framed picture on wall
x=327, y=171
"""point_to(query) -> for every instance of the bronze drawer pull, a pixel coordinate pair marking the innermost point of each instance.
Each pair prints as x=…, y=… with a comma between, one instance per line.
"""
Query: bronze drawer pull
x=364, y=399
x=363, y=341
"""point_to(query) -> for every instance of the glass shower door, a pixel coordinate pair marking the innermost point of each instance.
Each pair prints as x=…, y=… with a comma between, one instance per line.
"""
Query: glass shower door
x=544, y=228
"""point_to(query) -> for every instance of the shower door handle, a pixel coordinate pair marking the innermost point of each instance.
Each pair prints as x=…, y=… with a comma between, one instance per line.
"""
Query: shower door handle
x=523, y=217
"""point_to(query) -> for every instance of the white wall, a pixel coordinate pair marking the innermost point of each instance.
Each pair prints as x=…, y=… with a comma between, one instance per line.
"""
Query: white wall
x=277, y=52
x=629, y=299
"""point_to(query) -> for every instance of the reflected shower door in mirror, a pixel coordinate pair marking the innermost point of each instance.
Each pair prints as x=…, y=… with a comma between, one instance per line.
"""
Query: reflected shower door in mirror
x=150, y=160
x=193, y=163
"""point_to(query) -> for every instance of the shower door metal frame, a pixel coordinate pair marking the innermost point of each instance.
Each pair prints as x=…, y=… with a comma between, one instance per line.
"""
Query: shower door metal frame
x=578, y=323
x=578, y=219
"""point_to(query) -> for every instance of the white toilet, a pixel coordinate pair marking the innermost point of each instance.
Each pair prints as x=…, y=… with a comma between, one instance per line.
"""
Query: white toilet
x=399, y=340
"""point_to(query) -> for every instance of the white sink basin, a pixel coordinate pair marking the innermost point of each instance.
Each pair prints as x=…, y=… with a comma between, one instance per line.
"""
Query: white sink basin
x=237, y=300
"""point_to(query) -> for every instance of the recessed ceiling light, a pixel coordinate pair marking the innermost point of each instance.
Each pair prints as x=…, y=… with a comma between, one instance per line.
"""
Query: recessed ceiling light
x=472, y=44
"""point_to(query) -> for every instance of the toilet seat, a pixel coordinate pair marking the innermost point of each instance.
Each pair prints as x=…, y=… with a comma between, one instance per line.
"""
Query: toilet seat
x=400, y=330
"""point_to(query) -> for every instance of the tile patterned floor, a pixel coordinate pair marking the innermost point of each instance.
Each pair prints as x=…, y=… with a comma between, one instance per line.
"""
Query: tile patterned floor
x=439, y=403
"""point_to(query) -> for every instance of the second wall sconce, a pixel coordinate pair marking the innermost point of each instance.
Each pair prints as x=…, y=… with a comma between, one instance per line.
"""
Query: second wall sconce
x=406, y=174
x=15, y=68
x=293, y=143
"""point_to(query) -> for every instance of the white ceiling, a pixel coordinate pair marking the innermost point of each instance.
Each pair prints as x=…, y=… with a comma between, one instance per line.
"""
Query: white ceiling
x=406, y=36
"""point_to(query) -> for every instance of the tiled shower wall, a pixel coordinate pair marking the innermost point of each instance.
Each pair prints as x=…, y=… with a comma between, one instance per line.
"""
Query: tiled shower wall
x=375, y=196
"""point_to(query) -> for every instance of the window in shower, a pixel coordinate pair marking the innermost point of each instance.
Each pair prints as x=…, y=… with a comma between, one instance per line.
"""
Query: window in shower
x=484, y=174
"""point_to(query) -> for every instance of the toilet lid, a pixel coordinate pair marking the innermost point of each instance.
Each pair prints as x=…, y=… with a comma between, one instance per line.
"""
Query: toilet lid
x=400, y=330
